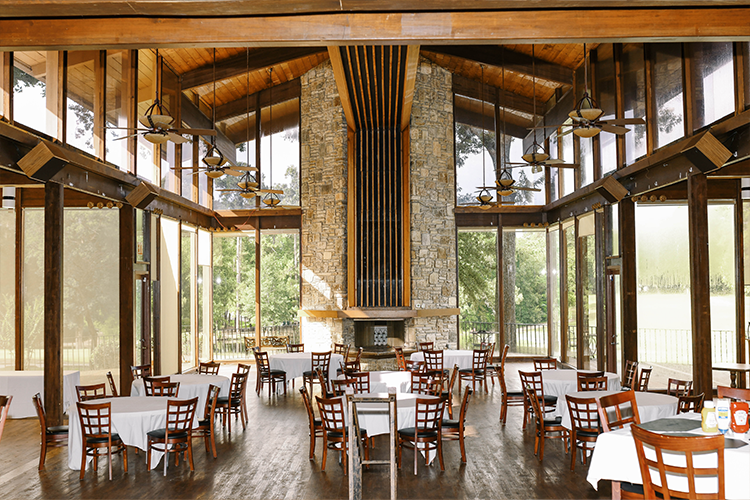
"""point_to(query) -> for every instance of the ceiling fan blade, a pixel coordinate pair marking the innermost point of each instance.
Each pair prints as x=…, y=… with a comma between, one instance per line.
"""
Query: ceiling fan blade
x=624, y=121
x=177, y=139
x=552, y=161
x=272, y=191
x=193, y=131
x=549, y=126
x=520, y=188
x=125, y=128
x=126, y=137
x=244, y=169
x=234, y=173
x=615, y=129
x=569, y=131
x=227, y=190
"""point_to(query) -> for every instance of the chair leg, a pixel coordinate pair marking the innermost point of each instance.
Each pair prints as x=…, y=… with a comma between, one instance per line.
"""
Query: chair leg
x=83, y=462
x=574, y=450
x=190, y=453
x=416, y=454
x=148, y=456
x=325, y=452
x=440, y=452
x=109, y=459
x=541, y=448
x=461, y=445
x=125, y=457
x=312, y=443
x=242, y=419
x=213, y=442
x=43, y=453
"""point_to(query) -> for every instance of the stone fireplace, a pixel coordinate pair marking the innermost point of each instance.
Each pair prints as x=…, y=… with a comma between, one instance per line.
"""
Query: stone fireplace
x=376, y=335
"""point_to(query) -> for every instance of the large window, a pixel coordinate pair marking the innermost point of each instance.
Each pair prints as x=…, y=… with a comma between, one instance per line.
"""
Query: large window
x=667, y=85
x=477, y=285
x=30, y=90
x=7, y=289
x=569, y=246
x=524, y=176
x=713, y=82
x=279, y=283
x=553, y=265
x=586, y=160
x=117, y=99
x=471, y=154
x=605, y=90
x=147, y=151
x=721, y=249
x=33, y=288
x=79, y=129
x=188, y=175
x=587, y=286
x=634, y=99
x=554, y=173
x=188, y=299
x=280, y=167
x=168, y=151
x=565, y=148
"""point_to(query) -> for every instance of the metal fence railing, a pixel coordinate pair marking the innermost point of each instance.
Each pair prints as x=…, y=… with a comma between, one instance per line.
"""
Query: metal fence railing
x=229, y=343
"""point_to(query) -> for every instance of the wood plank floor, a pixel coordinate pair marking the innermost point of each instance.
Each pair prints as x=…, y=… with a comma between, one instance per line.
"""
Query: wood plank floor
x=269, y=460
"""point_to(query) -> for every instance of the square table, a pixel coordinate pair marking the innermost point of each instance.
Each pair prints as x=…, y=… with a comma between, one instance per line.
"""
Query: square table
x=735, y=370
x=22, y=385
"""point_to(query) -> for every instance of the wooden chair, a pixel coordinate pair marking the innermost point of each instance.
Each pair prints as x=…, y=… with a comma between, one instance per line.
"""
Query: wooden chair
x=592, y=382
x=242, y=368
x=335, y=430
x=447, y=391
x=612, y=405
x=339, y=385
x=733, y=392
x=96, y=432
x=508, y=398
x=316, y=425
x=477, y=372
x=140, y=371
x=455, y=429
x=112, y=386
x=4, y=408
x=295, y=348
x=267, y=376
x=342, y=349
x=544, y=364
x=491, y=370
x=205, y=427
x=433, y=360
x=679, y=388
x=688, y=404
x=425, y=346
x=631, y=370
x=661, y=444
x=320, y=360
x=353, y=366
x=232, y=404
x=584, y=423
x=176, y=437
x=52, y=437
x=533, y=381
x=645, y=375
x=148, y=384
x=400, y=360
x=362, y=382
x=249, y=343
x=425, y=382
x=426, y=433
x=546, y=428
x=93, y=391
x=324, y=384
x=208, y=368
x=166, y=389
x=414, y=366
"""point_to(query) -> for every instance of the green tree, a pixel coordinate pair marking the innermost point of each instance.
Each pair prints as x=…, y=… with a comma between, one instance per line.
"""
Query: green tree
x=477, y=275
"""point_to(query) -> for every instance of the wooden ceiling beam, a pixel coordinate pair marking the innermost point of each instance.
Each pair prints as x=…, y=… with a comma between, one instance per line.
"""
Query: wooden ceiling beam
x=523, y=26
x=339, y=74
x=472, y=88
x=410, y=78
x=512, y=61
x=283, y=92
x=477, y=120
x=194, y=118
x=238, y=65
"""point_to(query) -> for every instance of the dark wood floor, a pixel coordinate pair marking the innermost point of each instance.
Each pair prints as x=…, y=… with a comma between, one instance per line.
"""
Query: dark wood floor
x=270, y=461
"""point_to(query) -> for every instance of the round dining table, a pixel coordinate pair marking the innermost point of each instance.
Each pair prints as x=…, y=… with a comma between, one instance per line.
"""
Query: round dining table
x=296, y=363
x=651, y=405
x=561, y=382
x=463, y=358
x=382, y=380
x=192, y=385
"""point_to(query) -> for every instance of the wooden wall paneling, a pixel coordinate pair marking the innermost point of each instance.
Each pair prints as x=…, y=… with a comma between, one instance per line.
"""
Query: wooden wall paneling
x=581, y=323
x=405, y=259
x=127, y=294
x=53, y=301
x=628, y=282
x=412, y=63
x=700, y=283
x=100, y=105
x=6, y=85
x=687, y=89
x=351, y=210
x=258, y=318
x=651, y=115
x=563, y=296
x=601, y=285
x=739, y=278
x=19, y=309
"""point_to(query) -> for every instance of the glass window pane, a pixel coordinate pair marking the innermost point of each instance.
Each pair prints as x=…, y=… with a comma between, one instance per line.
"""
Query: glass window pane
x=170, y=295
x=553, y=240
x=713, y=82
x=524, y=177
x=565, y=146
x=569, y=242
x=605, y=90
x=723, y=302
x=30, y=89
x=187, y=163
x=588, y=288
x=233, y=294
x=470, y=153
x=554, y=173
x=280, y=167
x=245, y=157
x=188, y=297
x=146, y=93
x=169, y=99
x=280, y=282
x=477, y=284
x=33, y=288
x=668, y=92
x=116, y=108
x=7, y=289
x=586, y=160
x=634, y=90
x=79, y=128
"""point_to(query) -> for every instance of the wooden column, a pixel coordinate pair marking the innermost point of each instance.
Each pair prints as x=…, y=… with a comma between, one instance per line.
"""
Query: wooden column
x=156, y=291
x=739, y=277
x=127, y=326
x=651, y=114
x=100, y=104
x=629, y=294
x=6, y=85
x=53, y=302
x=601, y=286
x=258, y=323
x=699, y=283
x=619, y=102
x=19, y=279
x=500, y=287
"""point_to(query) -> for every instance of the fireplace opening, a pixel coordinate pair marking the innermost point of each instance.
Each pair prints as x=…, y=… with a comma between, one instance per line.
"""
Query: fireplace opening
x=379, y=335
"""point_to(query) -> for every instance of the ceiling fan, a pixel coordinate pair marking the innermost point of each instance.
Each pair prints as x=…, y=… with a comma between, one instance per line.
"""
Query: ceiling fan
x=157, y=123
x=271, y=199
x=248, y=187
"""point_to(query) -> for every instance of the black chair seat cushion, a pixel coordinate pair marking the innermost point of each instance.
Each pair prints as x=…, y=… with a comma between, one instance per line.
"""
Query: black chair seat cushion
x=582, y=433
x=550, y=399
x=468, y=371
x=310, y=373
x=224, y=401
x=57, y=429
x=317, y=422
x=99, y=440
x=515, y=394
x=206, y=422
x=452, y=424
x=161, y=434
x=337, y=434
x=555, y=421
x=411, y=431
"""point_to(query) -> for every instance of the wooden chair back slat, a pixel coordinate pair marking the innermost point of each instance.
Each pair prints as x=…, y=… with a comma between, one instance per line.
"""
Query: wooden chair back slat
x=688, y=404
x=112, y=386
x=140, y=371
x=677, y=388
x=425, y=346
x=166, y=389
x=643, y=379
x=631, y=369
x=733, y=392
x=595, y=381
x=433, y=360
x=295, y=348
x=208, y=368
x=90, y=392
x=544, y=364
x=611, y=412
x=148, y=384
x=362, y=382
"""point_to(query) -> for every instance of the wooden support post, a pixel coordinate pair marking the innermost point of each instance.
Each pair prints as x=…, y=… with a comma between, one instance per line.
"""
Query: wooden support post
x=739, y=279
x=53, y=302
x=258, y=323
x=502, y=339
x=619, y=101
x=100, y=104
x=19, y=279
x=651, y=114
x=699, y=283
x=127, y=327
x=629, y=294
x=55, y=94
x=601, y=285
x=156, y=292
x=130, y=89
x=6, y=85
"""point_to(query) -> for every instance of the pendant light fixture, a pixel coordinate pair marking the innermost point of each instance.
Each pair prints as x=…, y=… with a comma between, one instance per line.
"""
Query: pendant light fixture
x=271, y=199
x=214, y=159
x=484, y=197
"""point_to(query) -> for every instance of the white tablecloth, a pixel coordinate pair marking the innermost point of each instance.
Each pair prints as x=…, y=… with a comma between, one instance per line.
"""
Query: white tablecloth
x=191, y=385
x=22, y=385
x=381, y=381
x=132, y=418
x=615, y=459
x=561, y=382
x=294, y=363
x=651, y=406
x=451, y=357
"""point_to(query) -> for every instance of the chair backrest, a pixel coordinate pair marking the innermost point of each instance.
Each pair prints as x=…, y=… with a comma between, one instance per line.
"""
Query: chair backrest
x=414, y=366
x=400, y=360
x=612, y=415
x=95, y=419
x=308, y=406
x=433, y=359
x=93, y=391
x=208, y=368
x=535, y=406
x=421, y=382
x=688, y=404
x=339, y=385
x=490, y=346
x=180, y=415
x=583, y=413
x=464, y=406
x=140, y=371
x=112, y=386
x=39, y=406
x=213, y=395
x=295, y=348
x=148, y=383
x=332, y=414
x=429, y=414
x=425, y=346
x=479, y=359
x=342, y=349
x=4, y=408
x=733, y=392
x=323, y=379
x=322, y=360
x=356, y=365
x=168, y=389
x=362, y=382
x=643, y=378
x=249, y=343
x=679, y=388
x=244, y=368
x=592, y=381
x=501, y=370
x=533, y=382
x=544, y=364
x=628, y=376
x=262, y=363
x=652, y=464
x=237, y=387
x=454, y=377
